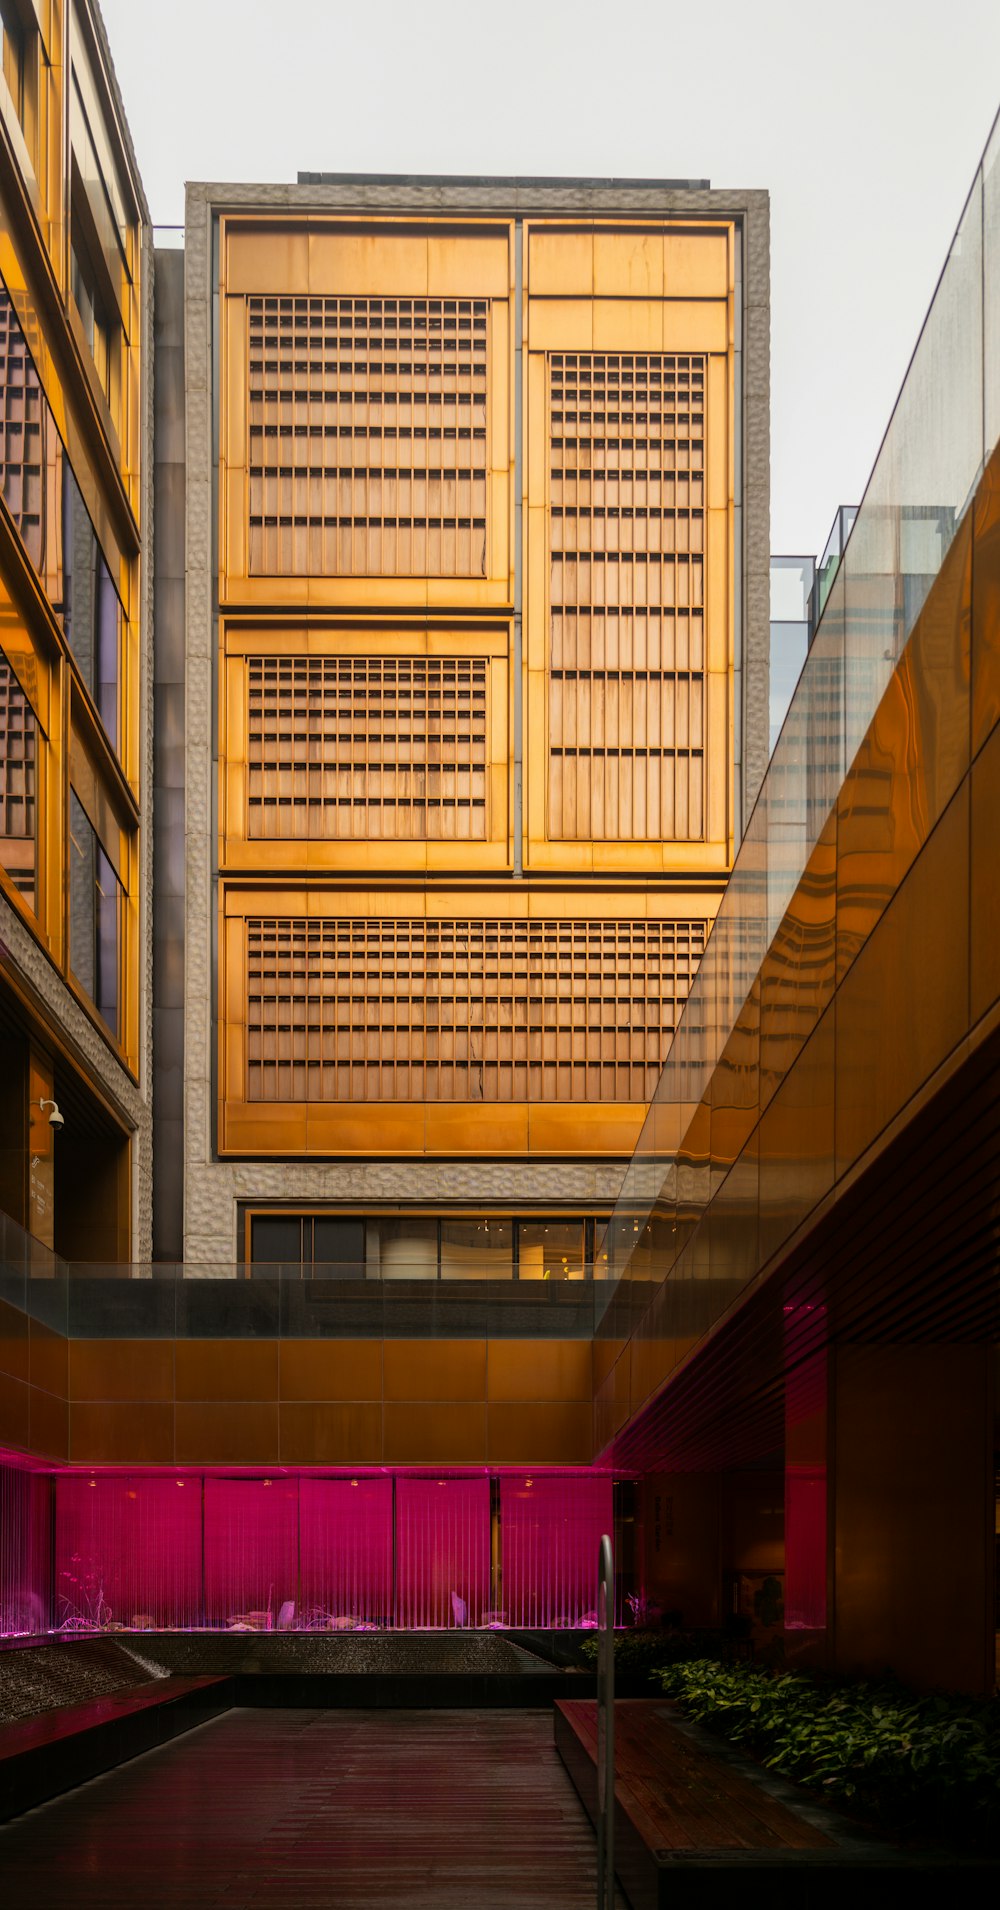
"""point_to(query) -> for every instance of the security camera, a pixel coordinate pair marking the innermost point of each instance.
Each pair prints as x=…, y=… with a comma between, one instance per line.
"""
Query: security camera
x=56, y=1119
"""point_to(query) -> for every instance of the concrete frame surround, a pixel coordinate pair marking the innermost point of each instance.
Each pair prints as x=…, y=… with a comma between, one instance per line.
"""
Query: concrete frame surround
x=212, y=1188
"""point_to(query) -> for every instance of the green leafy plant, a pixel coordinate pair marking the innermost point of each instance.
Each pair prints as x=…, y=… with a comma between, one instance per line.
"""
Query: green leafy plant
x=641, y=1654
x=911, y=1763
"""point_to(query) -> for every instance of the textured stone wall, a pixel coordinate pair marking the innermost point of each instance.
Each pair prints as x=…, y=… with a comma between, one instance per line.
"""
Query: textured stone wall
x=58, y=1009
x=167, y=946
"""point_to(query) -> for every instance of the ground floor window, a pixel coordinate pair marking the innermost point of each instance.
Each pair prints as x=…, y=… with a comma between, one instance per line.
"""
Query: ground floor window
x=421, y=1246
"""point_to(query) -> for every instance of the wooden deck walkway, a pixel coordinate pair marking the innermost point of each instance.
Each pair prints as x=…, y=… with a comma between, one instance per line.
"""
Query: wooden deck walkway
x=438, y=1810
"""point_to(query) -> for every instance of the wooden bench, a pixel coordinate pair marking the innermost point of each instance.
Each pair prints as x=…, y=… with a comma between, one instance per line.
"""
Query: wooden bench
x=690, y=1812
x=54, y=1751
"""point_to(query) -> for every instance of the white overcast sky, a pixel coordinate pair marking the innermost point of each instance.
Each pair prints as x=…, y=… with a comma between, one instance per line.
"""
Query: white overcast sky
x=864, y=119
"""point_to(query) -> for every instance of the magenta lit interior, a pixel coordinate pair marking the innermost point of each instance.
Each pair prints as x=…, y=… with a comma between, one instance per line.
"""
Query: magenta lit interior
x=298, y=1551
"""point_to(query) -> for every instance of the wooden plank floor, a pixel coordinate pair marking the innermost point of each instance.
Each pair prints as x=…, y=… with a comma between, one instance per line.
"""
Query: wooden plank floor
x=434, y=1809
x=680, y=1797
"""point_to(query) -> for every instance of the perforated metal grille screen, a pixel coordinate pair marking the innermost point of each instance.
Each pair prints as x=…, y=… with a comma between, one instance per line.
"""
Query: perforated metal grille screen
x=626, y=589
x=367, y=746
x=438, y=1010
x=367, y=451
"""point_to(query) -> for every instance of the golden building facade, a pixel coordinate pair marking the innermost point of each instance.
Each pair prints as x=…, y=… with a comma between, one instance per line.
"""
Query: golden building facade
x=74, y=678
x=480, y=744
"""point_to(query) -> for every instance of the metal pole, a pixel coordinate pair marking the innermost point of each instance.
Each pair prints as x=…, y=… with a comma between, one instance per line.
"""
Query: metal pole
x=605, y=1726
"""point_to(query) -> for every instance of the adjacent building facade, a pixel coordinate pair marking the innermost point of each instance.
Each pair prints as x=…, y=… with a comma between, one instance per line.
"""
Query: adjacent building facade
x=476, y=700
x=75, y=644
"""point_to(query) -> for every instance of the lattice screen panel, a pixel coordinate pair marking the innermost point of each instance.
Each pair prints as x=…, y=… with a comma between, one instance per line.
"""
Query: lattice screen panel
x=626, y=590
x=22, y=450
x=343, y=1010
x=367, y=436
x=18, y=794
x=367, y=747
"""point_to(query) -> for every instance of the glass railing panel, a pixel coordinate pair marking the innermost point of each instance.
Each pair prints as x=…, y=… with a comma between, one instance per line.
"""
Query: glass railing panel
x=991, y=286
x=926, y=472
x=784, y=877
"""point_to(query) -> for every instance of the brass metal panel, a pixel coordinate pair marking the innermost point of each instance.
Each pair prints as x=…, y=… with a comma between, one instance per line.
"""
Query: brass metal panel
x=904, y=1003
x=14, y=1345
x=456, y=1129
x=330, y=1370
x=115, y=1434
x=138, y=1370
x=733, y=1245
x=625, y=520
x=336, y=1011
x=551, y=1435
x=597, y=1127
x=295, y=255
x=628, y=575
x=913, y=756
x=984, y=881
x=230, y=1434
x=538, y=1370
x=604, y=1421
x=696, y=264
x=226, y=1369
x=796, y=1138
x=49, y=1360
x=438, y=1370
x=797, y=976
x=628, y=264
x=337, y=741
x=560, y=261
x=439, y=1434
x=986, y=604
x=329, y=1434
x=621, y=1387
x=375, y=399
x=15, y=1424
x=605, y=1352
x=48, y=1425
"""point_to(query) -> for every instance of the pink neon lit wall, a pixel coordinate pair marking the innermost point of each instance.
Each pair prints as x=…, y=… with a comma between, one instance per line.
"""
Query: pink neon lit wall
x=251, y=1550
x=25, y=1559
x=442, y=1551
x=128, y=1551
x=305, y=1552
x=550, y=1533
x=345, y=1552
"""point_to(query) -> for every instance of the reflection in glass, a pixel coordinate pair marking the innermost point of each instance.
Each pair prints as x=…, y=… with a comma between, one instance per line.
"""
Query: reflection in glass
x=476, y=1249
x=15, y=47
x=550, y=1250
x=276, y=1240
x=91, y=610
x=18, y=785
x=868, y=597
x=402, y=1249
x=95, y=917
x=421, y=1246
x=45, y=502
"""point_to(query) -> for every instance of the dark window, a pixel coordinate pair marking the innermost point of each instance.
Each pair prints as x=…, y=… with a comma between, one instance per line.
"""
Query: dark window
x=91, y=610
x=18, y=786
x=95, y=918
x=338, y=1243
x=45, y=501
x=276, y=1239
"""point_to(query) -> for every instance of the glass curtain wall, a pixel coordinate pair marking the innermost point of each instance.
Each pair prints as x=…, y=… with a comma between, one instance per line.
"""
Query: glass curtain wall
x=740, y=1033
